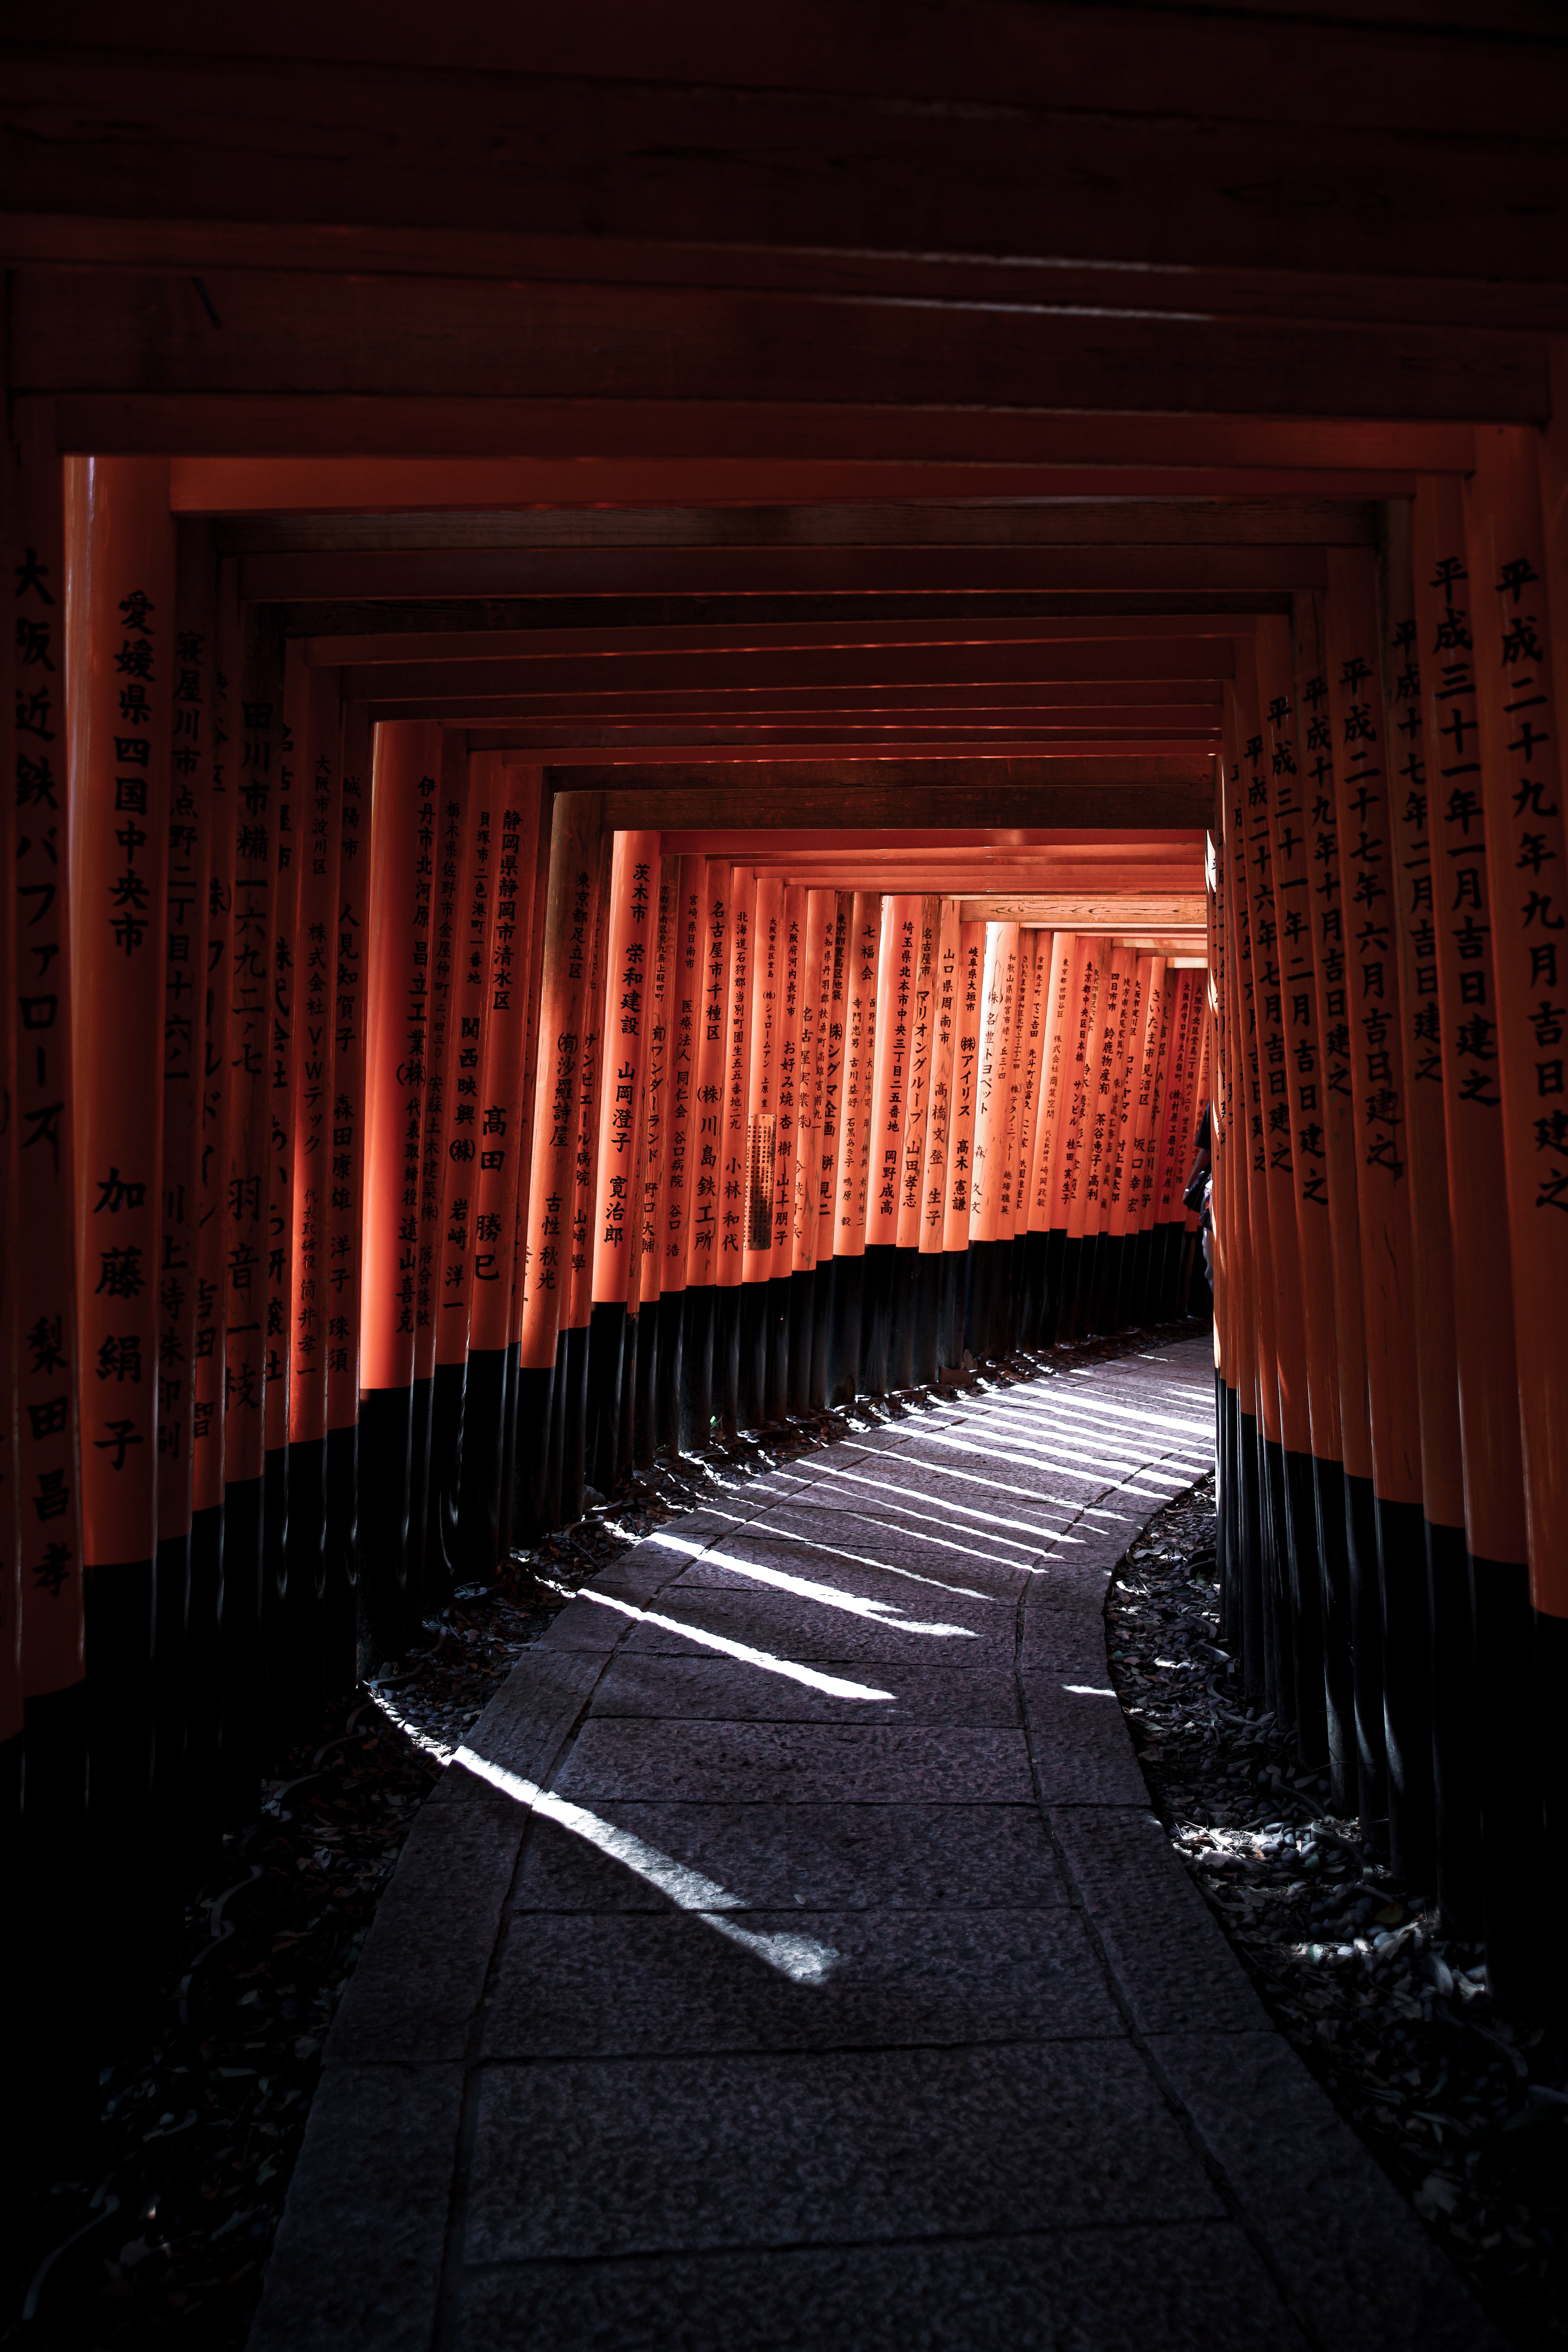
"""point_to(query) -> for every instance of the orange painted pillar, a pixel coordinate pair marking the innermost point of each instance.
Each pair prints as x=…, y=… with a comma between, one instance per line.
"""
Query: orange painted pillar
x=344, y=1227
x=705, y=1156
x=797, y=987
x=805, y=1359
x=315, y=726
x=1137, y=1306
x=968, y=1020
x=1314, y=1476
x=862, y=956
x=1048, y=1218
x=653, y=1350
x=1451, y=1696
x=897, y=956
x=1090, y=982
x=566, y=999
x=992, y=1149
x=1034, y=953
x=43, y=1468
x=632, y=940
x=1365, y=781
x=922, y=1024
x=1501, y=1778
x=762, y=1147
x=1332, y=994
x=733, y=1145
x=404, y=790
x=1521, y=651
x=497, y=1202
x=1105, y=1085
x=121, y=672
x=572, y=1450
x=683, y=1020
x=1123, y=1167
x=946, y=1003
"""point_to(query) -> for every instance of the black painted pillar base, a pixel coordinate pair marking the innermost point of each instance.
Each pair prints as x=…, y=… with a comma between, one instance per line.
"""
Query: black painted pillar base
x=821, y=1333
x=1338, y=1642
x=536, y=1410
x=339, y=1603
x=1227, y=1553
x=649, y=1372
x=630, y=1341
x=1251, y=1641
x=276, y=1664
x=696, y=1368
x=386, y=1462
x=1032, y=1286
x=775, y=1387
x=802, y=1327
x=54, y=1951
x=1055, y=1274
x=574, y=1426
x=726, y=1360
x=1271, y=1554
x=1455, y=1802
x=1550, y=1646
x=671, y=1376
x=1521, y=1970
x=507, y=1452
x=1306, y=1577
x=304, y=1587
x=204, y=1668
x=606, y=1348
x=478, y=1545
x=171, y=1675
x=448, y=1406
x=902, y=1294
x=1406, y=1691
x=927, y=1317
x=876, y=1312
x=1366, y=1653
x=239, y=1645
x=978, y=1280
x=952, y=1288
x=844, y=1343
x=1142, y=1250
x=751, y=1354
x=424, y=1401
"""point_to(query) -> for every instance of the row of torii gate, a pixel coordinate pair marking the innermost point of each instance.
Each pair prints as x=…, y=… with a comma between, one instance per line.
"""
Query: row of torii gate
x=400, y=1146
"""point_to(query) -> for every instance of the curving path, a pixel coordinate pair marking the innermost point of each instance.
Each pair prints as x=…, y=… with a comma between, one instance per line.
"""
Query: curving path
x=791, y=1959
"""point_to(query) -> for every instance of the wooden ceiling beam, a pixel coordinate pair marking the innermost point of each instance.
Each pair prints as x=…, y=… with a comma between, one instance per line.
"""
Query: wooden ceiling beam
x=860, y=629
x=371, y=426
x=1114, y=134
x=284, y=333
x=734, y=746
x=689, y=805
x=778, y=571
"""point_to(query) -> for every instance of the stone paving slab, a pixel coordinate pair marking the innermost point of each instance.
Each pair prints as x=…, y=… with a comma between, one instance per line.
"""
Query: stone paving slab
x=646, y=1984
x=796, y=1960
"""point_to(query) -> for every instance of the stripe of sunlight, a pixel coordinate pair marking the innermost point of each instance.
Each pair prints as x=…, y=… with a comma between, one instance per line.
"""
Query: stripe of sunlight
x=921, y=1535
x=834, y=1685
x=881, y=1612
x=884, y=1567
x=1085, y=1411
x=989, y=1520
x=998, y=1486
x=799, y=1957
x=1189, y=1427
x=1106, y=1464
x=1024, y=1461
x=1087, y=1426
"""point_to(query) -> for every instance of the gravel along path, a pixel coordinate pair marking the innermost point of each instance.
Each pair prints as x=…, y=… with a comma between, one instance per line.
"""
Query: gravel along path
x=1465, y=2107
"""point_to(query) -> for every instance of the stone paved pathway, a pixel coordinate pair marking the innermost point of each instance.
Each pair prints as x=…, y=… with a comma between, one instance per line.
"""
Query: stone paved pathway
x=791, y=1959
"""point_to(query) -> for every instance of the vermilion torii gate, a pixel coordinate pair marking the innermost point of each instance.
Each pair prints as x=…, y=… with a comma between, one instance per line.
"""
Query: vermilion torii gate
x=1005, y=714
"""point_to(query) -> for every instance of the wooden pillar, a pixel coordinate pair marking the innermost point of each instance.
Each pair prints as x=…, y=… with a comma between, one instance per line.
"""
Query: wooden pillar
x=1048, y=1214
x=1315, y=1479
x=316, y=726
x=41, y=1146
x=1123, y=1154
x=121, y=672
x=968, y=1017
x=992, y=1149
x=862, y=958
x=1455, y=1815
x=911, y=1167
x=823, y=1372
x=1363, y=785
x=1520, y=600
x=795, y=987
x=565, y=1005
x=1023, y=1286
x=1331, y=992
x=761, y=1142
x=655, y=1348
x=733, y=1140
x=815, y=1003
x=569, y=1432
x=344, y=1220
x=705, y=1155
x=1146, y=1138
x=1076, y=1133
x=616, y=1228
x=1260, y=1403
x=683, y=1025
x=499, y=1204
x=897, y=956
